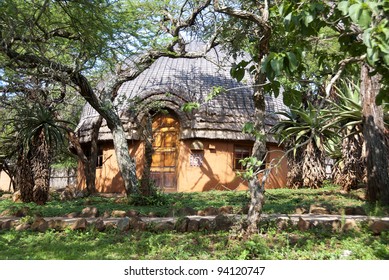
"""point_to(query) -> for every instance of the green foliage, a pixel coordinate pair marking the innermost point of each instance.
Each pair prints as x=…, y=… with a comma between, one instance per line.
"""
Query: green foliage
x=301, y=125
x=190, y=106
x=278, y=201
x=29, y=121
x=216, y=91
x=270, y=244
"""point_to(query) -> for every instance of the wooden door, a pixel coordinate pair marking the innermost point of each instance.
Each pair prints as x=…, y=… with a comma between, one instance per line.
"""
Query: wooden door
x=163, y=168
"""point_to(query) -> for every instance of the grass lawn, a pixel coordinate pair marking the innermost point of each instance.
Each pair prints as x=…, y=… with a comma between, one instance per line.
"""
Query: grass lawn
x=269, y=244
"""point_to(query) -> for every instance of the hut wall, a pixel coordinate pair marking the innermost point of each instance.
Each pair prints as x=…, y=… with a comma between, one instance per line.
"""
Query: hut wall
x=209, y=167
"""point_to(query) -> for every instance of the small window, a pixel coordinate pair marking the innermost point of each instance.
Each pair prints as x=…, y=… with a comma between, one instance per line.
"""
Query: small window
x=100, y=159
x=196, y=159
x=241, y=152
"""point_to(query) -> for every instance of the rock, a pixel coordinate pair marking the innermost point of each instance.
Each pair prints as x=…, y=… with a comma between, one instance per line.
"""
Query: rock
x=282, y=224
x=301, y=210
x=303, y=225
x=73, y=215
x=132, y=213
x=118, y=213
x=110, y=225
x=134, y=221
x=163, y=226
x=182, y=212
x=226, y=210
x=357, y=210
x=139, y=226
x=209, y=211
x=40, y=225
x=7, y=213
x=6, y=196
x=7, y=225
x=222, y=222
x=23, y=212
x=17, y=197
x=90, y=212
x=58, y=225
x=80, y=224
x=336, y=226
x=193, y=226
x=107, y=214
x=182, y=224
x=124, y=224
x=350, y=224
x=379, y=226
x=22, y=227
x=204, y=225
x=152, y=215
x=318, y=210
x=99, y=224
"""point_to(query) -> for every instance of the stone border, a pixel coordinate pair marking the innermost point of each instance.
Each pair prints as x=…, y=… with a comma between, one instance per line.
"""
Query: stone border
x=335, y=223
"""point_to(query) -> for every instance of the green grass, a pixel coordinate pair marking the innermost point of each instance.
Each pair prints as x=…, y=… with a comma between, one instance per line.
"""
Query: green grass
x=277, y=201
x=113, y=245
x=269, y=244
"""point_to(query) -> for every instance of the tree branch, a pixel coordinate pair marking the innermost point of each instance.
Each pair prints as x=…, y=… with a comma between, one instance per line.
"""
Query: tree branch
x=246, y=15
x=342, y=65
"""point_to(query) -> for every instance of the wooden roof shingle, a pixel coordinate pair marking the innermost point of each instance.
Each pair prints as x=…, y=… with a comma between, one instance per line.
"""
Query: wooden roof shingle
x=174, y=82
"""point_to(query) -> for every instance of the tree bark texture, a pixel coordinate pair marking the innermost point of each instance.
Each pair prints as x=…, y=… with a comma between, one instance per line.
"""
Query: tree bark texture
x=126, y=163
x=94, y=149
x=377, y=150
x=40, y=162
x=90, y=178
x=147, y=187
x=313, y=169
x=24, y=180
x=352, y=171
x=257, y=187
x=295, y=173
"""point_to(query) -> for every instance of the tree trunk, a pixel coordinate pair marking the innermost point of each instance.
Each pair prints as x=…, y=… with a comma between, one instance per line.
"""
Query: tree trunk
x=377, y=150
x=147, y=187
x=313, y=170
x=106, y=109
x=40, y=162
x=90, y=178
x=94, y=149
x=24, y=180
x=352, y=173
x=295, y=174
x=257, y=187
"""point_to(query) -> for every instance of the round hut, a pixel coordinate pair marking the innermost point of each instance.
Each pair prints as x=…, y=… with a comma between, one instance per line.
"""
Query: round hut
x=193, y=150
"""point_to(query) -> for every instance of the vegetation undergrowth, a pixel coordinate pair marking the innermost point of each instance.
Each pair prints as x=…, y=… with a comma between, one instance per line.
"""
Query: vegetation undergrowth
x=290, y=244
x=277, y=201
x=270, y=243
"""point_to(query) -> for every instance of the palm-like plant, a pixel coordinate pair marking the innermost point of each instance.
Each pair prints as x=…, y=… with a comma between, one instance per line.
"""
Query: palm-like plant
x=305, y=133
x=350, y=168
x=37, y=132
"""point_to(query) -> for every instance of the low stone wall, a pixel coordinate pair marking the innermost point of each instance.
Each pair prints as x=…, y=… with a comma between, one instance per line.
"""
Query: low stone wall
x=131, y=220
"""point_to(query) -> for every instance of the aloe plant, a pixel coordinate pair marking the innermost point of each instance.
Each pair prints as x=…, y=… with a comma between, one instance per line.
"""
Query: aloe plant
x=350, y=169
x=305, y=132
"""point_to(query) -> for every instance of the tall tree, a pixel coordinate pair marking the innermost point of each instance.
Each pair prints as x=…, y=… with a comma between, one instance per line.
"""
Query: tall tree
x=362, y=29
x=49, y=39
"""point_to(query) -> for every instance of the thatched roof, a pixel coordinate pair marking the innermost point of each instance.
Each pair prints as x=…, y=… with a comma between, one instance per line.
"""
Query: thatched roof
x=174, y=82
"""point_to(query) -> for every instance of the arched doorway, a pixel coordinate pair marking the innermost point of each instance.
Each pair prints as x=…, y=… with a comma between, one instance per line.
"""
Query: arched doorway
x=166, y=129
